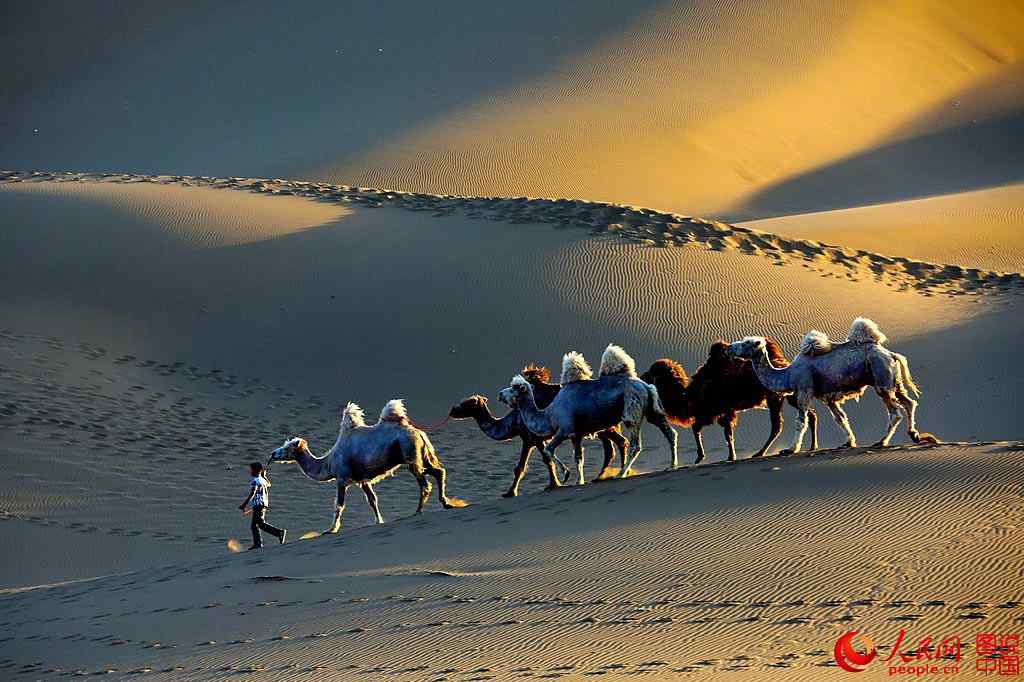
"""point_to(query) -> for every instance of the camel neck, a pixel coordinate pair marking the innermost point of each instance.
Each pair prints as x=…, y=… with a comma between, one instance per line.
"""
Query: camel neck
x=316, y=468
x=536, y=420
x=772, y=378
x=497, y=429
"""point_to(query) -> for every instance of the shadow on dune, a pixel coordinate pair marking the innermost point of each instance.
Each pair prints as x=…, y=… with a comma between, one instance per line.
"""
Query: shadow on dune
x=958, y=159
x=263, y=88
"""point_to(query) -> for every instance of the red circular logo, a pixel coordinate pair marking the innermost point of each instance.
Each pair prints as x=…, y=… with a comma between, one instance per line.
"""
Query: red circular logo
x=848, y=658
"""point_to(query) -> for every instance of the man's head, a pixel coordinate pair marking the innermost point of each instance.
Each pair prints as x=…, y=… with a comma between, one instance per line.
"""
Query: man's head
x=256, y=468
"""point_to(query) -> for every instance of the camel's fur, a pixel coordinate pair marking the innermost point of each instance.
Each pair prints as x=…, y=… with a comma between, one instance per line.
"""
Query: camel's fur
x=814, y=343
x=721, y=388
x=586, y=406
x=864, y=330
x=363, y=455
x=843, y=372
x=394, y=411
x=574, y=368
x=616, y=362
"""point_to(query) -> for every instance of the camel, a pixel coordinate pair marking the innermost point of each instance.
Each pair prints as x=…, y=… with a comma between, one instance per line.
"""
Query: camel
x=585, y=405
x=512, y=425
x=363, y=455
x=722, y=387
x=836, y=372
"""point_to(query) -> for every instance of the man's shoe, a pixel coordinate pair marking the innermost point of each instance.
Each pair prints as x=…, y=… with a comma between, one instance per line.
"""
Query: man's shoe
x=284, y=534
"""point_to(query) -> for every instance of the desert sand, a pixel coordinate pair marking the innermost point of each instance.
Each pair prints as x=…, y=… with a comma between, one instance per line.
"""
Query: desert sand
x=756, y=567
x=416, y=203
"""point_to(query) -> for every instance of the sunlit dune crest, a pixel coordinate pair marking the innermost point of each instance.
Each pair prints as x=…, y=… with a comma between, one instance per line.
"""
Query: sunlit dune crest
x=695, y=108
x=979, y=229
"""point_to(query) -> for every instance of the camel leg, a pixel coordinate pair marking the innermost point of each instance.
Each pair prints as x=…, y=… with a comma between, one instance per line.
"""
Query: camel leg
x=910, y=408
x=520, y=470
x=839, y=414
x=728, y=424
x=371, y=498
x=892, y=407
x=775, y=411
x=812, y=420
x=577, y=446
x=441, y=476
x=661, y=421
x=549, y=452
x=609, y=453
x=637, y=443
x=802, y=403
x=700, y=442
x=417, y=471
x=339, y=508
x=549, y=462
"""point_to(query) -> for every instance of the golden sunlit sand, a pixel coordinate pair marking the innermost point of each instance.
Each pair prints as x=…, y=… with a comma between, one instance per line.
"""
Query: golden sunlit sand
x=222, y=224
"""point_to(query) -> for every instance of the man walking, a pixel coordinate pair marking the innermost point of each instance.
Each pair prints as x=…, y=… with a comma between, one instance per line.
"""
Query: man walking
x=259, y=499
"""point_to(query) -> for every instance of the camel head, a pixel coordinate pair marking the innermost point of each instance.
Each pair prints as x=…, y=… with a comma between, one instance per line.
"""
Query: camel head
x=516, y=390
x=748, y=348
x=287, y=453
x=468, y=407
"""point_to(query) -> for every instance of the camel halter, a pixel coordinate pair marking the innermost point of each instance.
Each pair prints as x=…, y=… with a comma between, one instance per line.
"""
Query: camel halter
x=433, y=426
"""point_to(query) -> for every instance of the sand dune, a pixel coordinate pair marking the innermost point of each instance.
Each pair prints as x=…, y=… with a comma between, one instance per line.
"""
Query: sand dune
x=708, y=108
x=759, y=94
x=200, y=217
x=173, y=310
x=538, y=587
x=980, y=229
x=125, y=372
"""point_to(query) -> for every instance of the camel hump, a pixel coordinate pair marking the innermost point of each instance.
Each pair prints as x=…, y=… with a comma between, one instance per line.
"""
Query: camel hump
x=574, y=368
x=394, y=411
x=352, y=417
x=617, y=362
x=815, y=343
x=864, y=330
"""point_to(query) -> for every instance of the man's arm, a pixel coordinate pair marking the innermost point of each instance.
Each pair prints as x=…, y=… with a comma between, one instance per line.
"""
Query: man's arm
x=252, y=491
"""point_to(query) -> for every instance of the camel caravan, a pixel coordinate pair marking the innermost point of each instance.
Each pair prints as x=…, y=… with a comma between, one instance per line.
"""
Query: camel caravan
x=611, y=407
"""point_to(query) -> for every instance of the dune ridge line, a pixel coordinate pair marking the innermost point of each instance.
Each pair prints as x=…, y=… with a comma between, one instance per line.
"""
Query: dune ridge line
x=640, y=225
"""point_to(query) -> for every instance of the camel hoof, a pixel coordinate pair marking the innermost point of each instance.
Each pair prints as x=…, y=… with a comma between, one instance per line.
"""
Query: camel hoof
x=510, y=493
x=925, y=437
x=698, y=461
x=331, y=531
x=846, y=445
x=880, y=444
x=787, y=451
x=757, y=454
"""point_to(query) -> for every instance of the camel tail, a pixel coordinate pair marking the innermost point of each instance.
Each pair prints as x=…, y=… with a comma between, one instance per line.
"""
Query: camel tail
x=654, y=401
x=430, y=455
x=905, y=377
